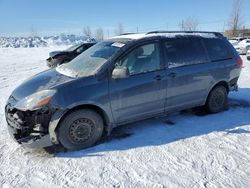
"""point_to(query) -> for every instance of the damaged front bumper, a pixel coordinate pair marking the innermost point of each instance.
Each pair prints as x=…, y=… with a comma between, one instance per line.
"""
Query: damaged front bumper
x=50, y=62
x=31, y=128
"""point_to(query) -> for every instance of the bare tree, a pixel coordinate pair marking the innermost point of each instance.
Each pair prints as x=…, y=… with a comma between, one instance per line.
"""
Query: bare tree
x=119, y=29
x=235, y=22
x=108, y=34
x=189, y=24
x=87, y=31
x=33, y=31
x=99, y=34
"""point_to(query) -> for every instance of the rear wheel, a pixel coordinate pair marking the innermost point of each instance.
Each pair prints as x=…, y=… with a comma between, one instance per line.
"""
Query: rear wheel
x=80, y=129
x=217, y=100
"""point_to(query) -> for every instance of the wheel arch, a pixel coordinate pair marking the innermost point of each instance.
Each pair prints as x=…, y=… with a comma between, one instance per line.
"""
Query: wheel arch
x=54, y=124
x=96, y=108
x=220, y=83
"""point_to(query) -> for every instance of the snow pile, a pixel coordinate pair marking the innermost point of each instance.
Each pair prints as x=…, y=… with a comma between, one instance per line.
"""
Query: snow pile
x=30, y=42
x=186, y=150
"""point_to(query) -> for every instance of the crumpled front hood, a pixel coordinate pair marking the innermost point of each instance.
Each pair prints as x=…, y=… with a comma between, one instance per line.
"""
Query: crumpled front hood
x=44, y=80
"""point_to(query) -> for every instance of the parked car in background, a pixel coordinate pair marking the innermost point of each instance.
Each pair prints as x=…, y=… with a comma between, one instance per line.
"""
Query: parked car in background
x=248, y=55
x=60, y=57
x=122, y=80
x=239, y=39
x=235, y=40
x=243, y=46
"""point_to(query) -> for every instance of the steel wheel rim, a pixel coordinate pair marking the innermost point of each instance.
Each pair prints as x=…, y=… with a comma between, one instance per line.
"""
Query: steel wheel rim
x=81, y=130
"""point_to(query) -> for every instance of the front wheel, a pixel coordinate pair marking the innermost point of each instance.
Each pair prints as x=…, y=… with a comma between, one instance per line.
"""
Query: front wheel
x=217, y=100
x=80, y=129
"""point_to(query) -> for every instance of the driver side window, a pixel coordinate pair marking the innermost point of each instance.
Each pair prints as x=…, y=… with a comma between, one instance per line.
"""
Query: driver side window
x=142, y=59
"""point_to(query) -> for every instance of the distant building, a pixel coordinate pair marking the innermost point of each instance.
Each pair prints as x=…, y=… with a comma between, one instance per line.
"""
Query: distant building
x=238, y=33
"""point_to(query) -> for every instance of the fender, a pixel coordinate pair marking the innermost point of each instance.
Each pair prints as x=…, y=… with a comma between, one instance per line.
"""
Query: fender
x=220, y=82
x=61, y=113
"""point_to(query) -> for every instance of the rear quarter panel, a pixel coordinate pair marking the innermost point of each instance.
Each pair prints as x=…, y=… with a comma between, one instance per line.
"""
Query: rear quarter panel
x=225, y=70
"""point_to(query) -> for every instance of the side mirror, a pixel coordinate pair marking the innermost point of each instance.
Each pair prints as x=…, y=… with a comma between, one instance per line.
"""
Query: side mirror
x=120, y=72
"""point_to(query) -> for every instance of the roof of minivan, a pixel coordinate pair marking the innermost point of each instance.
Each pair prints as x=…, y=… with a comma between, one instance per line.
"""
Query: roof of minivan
x=167, y=35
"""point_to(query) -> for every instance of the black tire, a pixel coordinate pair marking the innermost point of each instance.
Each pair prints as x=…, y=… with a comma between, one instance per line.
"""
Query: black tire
x=217, y=100
x=80, y=129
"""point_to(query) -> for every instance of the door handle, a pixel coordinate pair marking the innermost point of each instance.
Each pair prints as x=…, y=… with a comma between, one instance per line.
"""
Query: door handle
x=172, y=75
x=158, y=77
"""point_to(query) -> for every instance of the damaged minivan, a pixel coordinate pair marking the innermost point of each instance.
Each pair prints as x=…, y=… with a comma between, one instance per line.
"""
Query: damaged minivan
x=122, y=80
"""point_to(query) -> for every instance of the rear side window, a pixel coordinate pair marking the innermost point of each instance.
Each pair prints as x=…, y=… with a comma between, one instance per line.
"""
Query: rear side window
x=184, y=51
x=218, y=49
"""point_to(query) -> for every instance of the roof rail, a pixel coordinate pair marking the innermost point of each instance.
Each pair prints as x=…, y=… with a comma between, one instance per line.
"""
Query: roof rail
x=127, y=34
x=209, y=32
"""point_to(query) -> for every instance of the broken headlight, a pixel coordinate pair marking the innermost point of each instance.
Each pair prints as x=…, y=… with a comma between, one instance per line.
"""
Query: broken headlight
x=36, y=100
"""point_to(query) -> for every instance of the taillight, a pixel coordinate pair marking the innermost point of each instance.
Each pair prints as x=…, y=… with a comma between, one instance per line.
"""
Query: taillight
x=239, y=61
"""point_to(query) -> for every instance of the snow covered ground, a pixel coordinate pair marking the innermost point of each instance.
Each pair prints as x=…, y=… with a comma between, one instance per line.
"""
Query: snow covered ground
x=190, y=150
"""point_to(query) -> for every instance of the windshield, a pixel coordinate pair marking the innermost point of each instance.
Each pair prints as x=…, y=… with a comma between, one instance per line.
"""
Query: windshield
x=74, y=47
x=90, y=60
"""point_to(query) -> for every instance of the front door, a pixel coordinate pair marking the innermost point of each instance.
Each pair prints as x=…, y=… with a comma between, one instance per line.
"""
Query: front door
x=143, y=92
